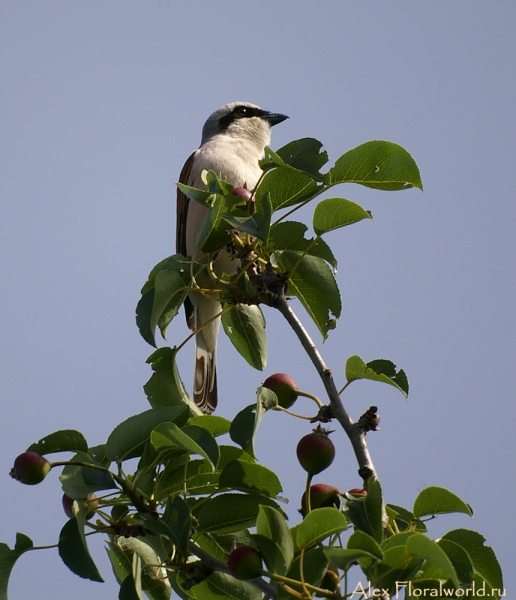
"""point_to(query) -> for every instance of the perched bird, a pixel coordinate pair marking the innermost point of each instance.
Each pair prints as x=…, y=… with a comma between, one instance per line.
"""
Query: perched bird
x=232, y=143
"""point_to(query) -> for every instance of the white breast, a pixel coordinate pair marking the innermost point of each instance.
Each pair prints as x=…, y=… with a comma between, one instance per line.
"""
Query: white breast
x=231, y=161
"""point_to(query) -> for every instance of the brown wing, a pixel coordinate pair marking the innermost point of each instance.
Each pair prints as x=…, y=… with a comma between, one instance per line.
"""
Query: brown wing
x=181, y=216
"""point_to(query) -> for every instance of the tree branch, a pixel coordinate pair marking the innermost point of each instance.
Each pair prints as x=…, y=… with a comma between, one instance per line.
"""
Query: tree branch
x=356, y=434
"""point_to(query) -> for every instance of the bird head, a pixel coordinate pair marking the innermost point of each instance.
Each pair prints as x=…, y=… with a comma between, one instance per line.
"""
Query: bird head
x=242, y=121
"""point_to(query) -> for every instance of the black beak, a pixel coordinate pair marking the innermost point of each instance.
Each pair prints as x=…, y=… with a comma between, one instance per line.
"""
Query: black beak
x=274, y=118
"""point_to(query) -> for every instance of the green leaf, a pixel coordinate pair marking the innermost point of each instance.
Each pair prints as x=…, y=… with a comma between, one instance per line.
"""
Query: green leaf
x=266, y=398
x=215, y=185
x=79, y=481
x=435, y=500
x=245, y=326
x=242, y=429
x=143, y=316
x=205, y=440
x=250, y=477
x=342, y=558
x=271, y=159
x=314, y=565
x=377, y=164
x=196, y=478
x=459, y=558
x=366, y=514
x=213, y=234
x=404, y=519
x=274, y=540
x=212, y=423
x=219, y=546
x=481, y=583
x=248, y=224
x=177, y=263
x=305, y=155
x=120, y=562
x=228, y=513
x=380, y=370
x=271, y=553
x=245, y=425
x=360, y=540
x=482, y=557
x=169, y=295
x=318, y=525
x=289, y=235
x=175, y=524
x=195, y=440
x=355, y=512
x=128, y=439
x=311, y=280
x=8, y=559
x=221, y=586
x=66, y=440
x=257, y=224
x=74, y=552
x=128, y=589
x=334, y=213
x=397, y=566
x=199, y=196
x=163, y=294
x=165, y=387
x=177, y=517
x=423, y=547
x=398, y=539
x=287, y=187
x=153, y=578
x=373, y=505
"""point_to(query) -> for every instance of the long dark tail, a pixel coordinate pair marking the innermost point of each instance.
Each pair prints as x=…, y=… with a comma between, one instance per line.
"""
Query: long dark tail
x=205, y=379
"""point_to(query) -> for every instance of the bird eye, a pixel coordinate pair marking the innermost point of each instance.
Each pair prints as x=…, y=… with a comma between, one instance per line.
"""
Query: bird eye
x=241, y=111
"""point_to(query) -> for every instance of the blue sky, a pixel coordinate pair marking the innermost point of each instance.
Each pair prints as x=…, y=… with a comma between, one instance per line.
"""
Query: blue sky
x=101, y=103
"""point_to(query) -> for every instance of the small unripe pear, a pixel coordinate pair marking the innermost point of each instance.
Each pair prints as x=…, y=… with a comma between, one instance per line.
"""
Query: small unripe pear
x=245, y=562
x=315, y=452
x=284, y=387
x=30, y=468
x=358, y=492
x=90, y=502
x=321, y=495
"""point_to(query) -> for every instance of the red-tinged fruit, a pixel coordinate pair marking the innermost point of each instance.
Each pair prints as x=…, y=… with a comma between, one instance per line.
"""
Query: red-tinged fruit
x=245, y=562
x=284, y=387
x=242, y=192
x=358, y=492
x=30, y=468
x=91, y=502
x=68, y=506
x=321, y=496
x=315, y=452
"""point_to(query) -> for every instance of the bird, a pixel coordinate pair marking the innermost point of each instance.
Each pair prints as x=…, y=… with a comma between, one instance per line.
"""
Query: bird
x=233, y=141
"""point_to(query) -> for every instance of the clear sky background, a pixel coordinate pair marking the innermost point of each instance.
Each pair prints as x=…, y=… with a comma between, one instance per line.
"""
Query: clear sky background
x=100, y=104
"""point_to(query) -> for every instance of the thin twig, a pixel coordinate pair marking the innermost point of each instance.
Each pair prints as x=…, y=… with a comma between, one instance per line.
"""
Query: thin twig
x=355, y=434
